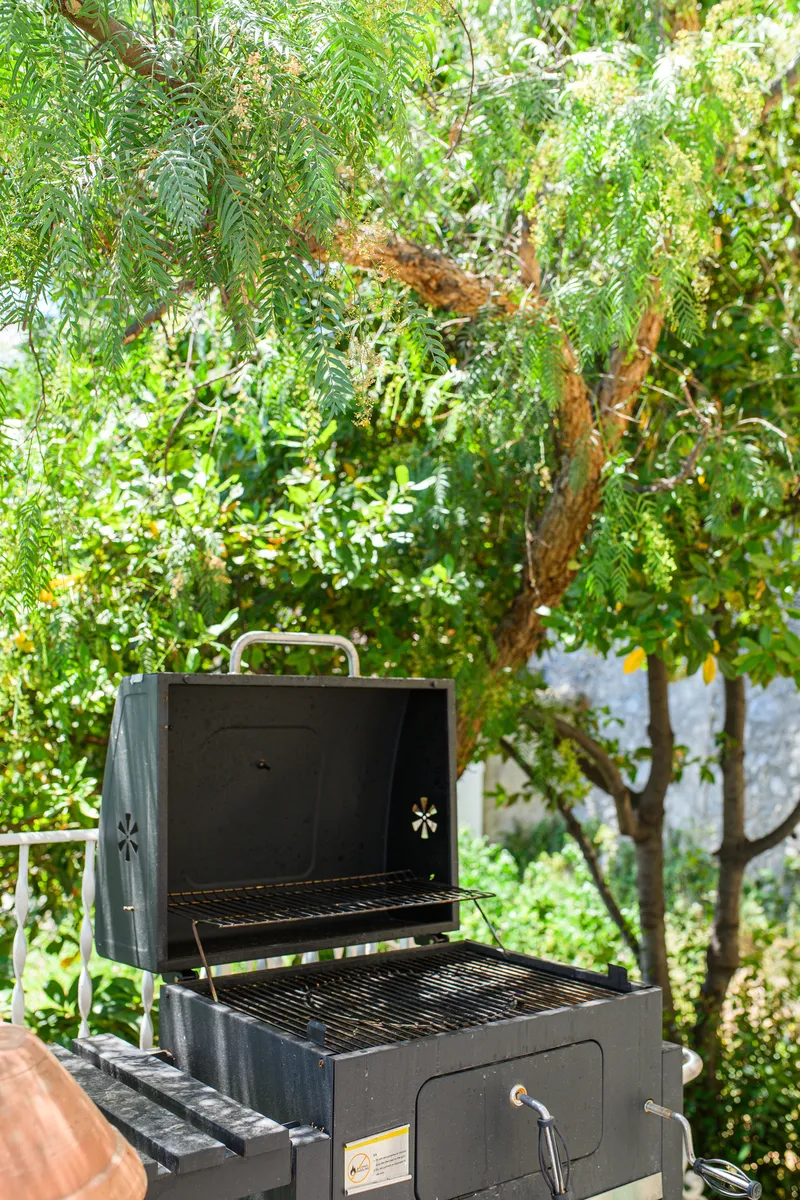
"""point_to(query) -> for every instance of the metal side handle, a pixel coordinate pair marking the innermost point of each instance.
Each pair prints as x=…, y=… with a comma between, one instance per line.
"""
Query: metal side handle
x=257, y=636
x=722, y=1177
x=692, y=1065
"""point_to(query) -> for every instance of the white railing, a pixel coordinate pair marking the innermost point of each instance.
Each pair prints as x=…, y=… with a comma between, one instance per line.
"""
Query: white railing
x=22, y=906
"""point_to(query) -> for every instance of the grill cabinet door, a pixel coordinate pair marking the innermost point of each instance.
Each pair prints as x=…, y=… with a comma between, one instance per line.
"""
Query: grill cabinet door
x=470, y=1137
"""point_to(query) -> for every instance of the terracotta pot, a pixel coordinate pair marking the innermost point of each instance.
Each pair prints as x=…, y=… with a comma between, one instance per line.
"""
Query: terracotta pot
x=54, y=1143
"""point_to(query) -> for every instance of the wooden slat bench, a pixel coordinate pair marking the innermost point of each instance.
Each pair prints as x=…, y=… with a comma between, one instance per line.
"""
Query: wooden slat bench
x=194, y=1142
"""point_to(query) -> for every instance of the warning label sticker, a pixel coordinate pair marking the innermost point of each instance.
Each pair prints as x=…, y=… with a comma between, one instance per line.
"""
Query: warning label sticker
x=376, y=1161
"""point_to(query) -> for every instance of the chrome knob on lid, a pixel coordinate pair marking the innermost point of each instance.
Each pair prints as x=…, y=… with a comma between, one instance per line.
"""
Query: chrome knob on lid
x=722, y=1177
x=553, y=1154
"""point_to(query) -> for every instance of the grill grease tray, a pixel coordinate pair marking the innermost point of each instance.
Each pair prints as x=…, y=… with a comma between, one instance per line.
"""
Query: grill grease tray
x=277, y=903
x=403, y=997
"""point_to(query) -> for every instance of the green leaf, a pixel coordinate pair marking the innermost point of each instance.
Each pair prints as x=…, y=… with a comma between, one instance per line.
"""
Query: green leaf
x=230, y=619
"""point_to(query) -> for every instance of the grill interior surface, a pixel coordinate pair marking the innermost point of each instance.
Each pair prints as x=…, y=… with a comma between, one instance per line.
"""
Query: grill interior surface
x=404, y=997
x=266, y=904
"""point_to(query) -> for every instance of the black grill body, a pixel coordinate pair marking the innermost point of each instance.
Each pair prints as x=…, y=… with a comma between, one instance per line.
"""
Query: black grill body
x=245, y=817
x=435, y=1038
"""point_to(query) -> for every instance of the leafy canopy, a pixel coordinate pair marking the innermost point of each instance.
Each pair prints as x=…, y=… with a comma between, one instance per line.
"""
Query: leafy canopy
x=210, y=165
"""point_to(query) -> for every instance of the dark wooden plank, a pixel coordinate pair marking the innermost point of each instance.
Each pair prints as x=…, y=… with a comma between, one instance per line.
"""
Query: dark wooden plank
x=148, y=1127
x=241, y=1129
x=151, y=1167
x=311, y=1163
x=237, y=1178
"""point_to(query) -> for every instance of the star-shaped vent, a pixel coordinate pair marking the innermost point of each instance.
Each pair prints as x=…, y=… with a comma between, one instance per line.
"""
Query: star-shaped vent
x=128, y=829
x=423, y=822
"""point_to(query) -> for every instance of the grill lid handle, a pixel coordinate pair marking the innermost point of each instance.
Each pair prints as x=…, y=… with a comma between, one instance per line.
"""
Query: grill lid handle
x=293, y=639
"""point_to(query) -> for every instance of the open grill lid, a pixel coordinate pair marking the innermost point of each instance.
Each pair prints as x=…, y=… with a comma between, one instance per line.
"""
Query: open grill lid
x=262, y=815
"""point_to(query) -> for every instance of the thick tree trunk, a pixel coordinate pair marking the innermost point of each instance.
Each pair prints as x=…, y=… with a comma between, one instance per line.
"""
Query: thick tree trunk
x=585, y=443
x=649, y=836
x=652, y=911
x=736, y=850
x=640, y=816
x=723, y=955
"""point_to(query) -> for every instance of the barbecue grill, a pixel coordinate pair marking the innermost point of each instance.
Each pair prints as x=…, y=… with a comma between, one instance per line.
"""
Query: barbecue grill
x=249, y=816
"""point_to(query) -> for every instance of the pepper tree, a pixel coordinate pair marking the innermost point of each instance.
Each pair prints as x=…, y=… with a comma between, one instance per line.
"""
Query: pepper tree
x=560, y=171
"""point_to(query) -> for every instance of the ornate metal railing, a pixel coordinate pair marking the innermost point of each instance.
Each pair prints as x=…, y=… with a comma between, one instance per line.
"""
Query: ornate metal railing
x=22, y=900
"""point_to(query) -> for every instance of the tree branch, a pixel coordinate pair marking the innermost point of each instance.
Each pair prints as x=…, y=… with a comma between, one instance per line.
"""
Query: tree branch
x=154, y=314
x=756, y=846
x=437, y=279
x=629, y=367
x=530, y=271
x=606, y=775
x=687, y=467
x=134, y=51
x=587, y=849
x=786, y=82
x=662, y=739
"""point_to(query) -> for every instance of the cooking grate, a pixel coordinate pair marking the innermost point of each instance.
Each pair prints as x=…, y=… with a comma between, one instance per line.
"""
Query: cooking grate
x=401, y=998
x=276, y=903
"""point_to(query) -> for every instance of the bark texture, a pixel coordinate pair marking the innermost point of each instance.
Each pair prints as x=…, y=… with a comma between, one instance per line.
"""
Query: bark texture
x=649, y=834
x=134, y=51
x=640, y=816
x=585, y=442
x=437, y=279
x=736, y=850
x=587, y=849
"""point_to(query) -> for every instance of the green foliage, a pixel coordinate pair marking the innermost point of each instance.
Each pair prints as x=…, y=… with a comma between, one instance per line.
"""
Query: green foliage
x=120, y=188
x=115, y=1007
x=546, y=905
x=758, y=1122
x=526, y=843
x=551, y=909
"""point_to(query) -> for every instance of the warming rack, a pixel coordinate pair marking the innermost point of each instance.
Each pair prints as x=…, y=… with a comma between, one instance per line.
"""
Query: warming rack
x=278, y=903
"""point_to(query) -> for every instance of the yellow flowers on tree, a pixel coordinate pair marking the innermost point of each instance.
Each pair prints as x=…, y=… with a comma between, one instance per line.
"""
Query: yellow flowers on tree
x=637, y=658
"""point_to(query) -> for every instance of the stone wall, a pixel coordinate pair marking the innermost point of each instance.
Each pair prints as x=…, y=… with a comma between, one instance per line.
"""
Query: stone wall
x=772, y=748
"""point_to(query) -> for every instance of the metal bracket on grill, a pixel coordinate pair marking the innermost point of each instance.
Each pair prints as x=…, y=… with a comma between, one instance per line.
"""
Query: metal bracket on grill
x=488, y=923
x=315, y=1032
x=204, y=961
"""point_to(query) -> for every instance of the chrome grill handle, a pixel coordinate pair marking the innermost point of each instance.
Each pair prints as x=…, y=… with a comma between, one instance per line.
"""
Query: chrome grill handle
x=722, y=1177
x=554, y=1160
x=274, y=637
